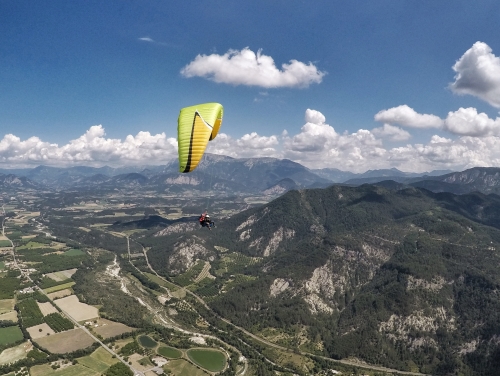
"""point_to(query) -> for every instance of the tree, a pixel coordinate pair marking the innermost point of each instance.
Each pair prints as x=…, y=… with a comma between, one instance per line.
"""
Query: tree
x=119, y=369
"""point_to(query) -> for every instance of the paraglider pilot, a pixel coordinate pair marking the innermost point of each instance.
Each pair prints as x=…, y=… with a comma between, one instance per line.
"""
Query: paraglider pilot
x=205, y=221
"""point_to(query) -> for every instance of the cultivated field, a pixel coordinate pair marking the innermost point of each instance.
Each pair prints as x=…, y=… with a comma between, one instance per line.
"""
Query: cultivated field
x=147, y=373
x=15, y=353
x=109, y=328
x=55, y=276
x=60, y=294
x=157, y=279
x=76, y=370
x=10, y=334
x=74, y=252
x=46, y=308
x=59, y=287
x=32, y=245
x=99, y=361
x=181, y=367
x=4, y=241
x=79, y=311
x=69, y=272
x=35, y=332
x=65, y=342
x=205, y=273
x=93, y=364
x=103, y=356
x=9, y=316
x=57, y=245
x=6, y=305
x=179, y=294
x=62, y=275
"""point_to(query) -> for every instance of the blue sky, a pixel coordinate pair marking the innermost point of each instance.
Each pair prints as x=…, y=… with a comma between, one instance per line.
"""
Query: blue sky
x=85, y=75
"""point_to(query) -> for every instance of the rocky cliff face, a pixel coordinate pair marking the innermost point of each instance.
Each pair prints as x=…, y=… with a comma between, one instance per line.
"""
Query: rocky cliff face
x=12, y=181
x=186, y=253
x=478, y=179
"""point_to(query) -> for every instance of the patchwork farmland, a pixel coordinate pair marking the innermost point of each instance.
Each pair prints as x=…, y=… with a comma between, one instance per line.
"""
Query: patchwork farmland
x=79, y=311
x=64, y=342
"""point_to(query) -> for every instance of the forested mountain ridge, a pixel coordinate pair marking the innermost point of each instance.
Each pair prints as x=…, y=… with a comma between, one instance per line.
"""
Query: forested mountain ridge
x=478, y=179
x=407, y=279
x=481, y=179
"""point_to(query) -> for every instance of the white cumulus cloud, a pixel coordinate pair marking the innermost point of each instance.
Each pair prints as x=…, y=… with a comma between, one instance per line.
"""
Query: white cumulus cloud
x=320, y=146
x=478, y=74
x=316, y=145
x=391, y=132
x=463, y=122
x=408, y=117
x=91, y=148
x=313, y=116
x=468, y=122
x=249, y=145
x=248, y=68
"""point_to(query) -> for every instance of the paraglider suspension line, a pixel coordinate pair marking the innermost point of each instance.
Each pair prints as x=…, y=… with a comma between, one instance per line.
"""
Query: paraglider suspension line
x=210, y=186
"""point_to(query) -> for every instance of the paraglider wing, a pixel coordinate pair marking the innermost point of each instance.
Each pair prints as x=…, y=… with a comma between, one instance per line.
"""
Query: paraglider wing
x=196, y=126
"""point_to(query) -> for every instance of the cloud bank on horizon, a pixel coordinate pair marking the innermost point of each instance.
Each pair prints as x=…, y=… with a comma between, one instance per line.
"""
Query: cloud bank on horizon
x=474, y=138
x=318, y=145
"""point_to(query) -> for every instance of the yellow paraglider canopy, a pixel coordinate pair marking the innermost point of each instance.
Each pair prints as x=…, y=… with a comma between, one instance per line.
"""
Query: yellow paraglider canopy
x=195, y=127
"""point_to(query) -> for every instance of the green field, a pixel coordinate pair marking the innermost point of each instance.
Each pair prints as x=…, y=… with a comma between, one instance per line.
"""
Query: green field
x=4, y=243
x=74, y=252
x=2, y=264
x=187, y=278
x=181, y=367
x=31, y=245
x=156, y=279
x=169, y=352
x=10, y=335
x=92, y=363
x=211, y=360
x=59, y=287
x=147, y=341
x=104, y=356
x=77, y=370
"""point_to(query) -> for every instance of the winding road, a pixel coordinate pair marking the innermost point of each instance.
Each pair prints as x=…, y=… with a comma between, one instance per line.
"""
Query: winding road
x=136, y=372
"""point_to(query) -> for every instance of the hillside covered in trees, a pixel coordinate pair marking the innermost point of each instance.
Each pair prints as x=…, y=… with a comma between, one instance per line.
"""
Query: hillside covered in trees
x=403, y=278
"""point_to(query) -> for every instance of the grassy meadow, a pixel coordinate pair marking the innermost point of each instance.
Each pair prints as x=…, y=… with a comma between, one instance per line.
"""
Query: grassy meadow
x=10, y=334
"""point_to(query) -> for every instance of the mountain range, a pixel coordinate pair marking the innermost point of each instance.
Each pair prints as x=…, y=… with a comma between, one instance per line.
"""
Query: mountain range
x=217, y=173
x=226, y=175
